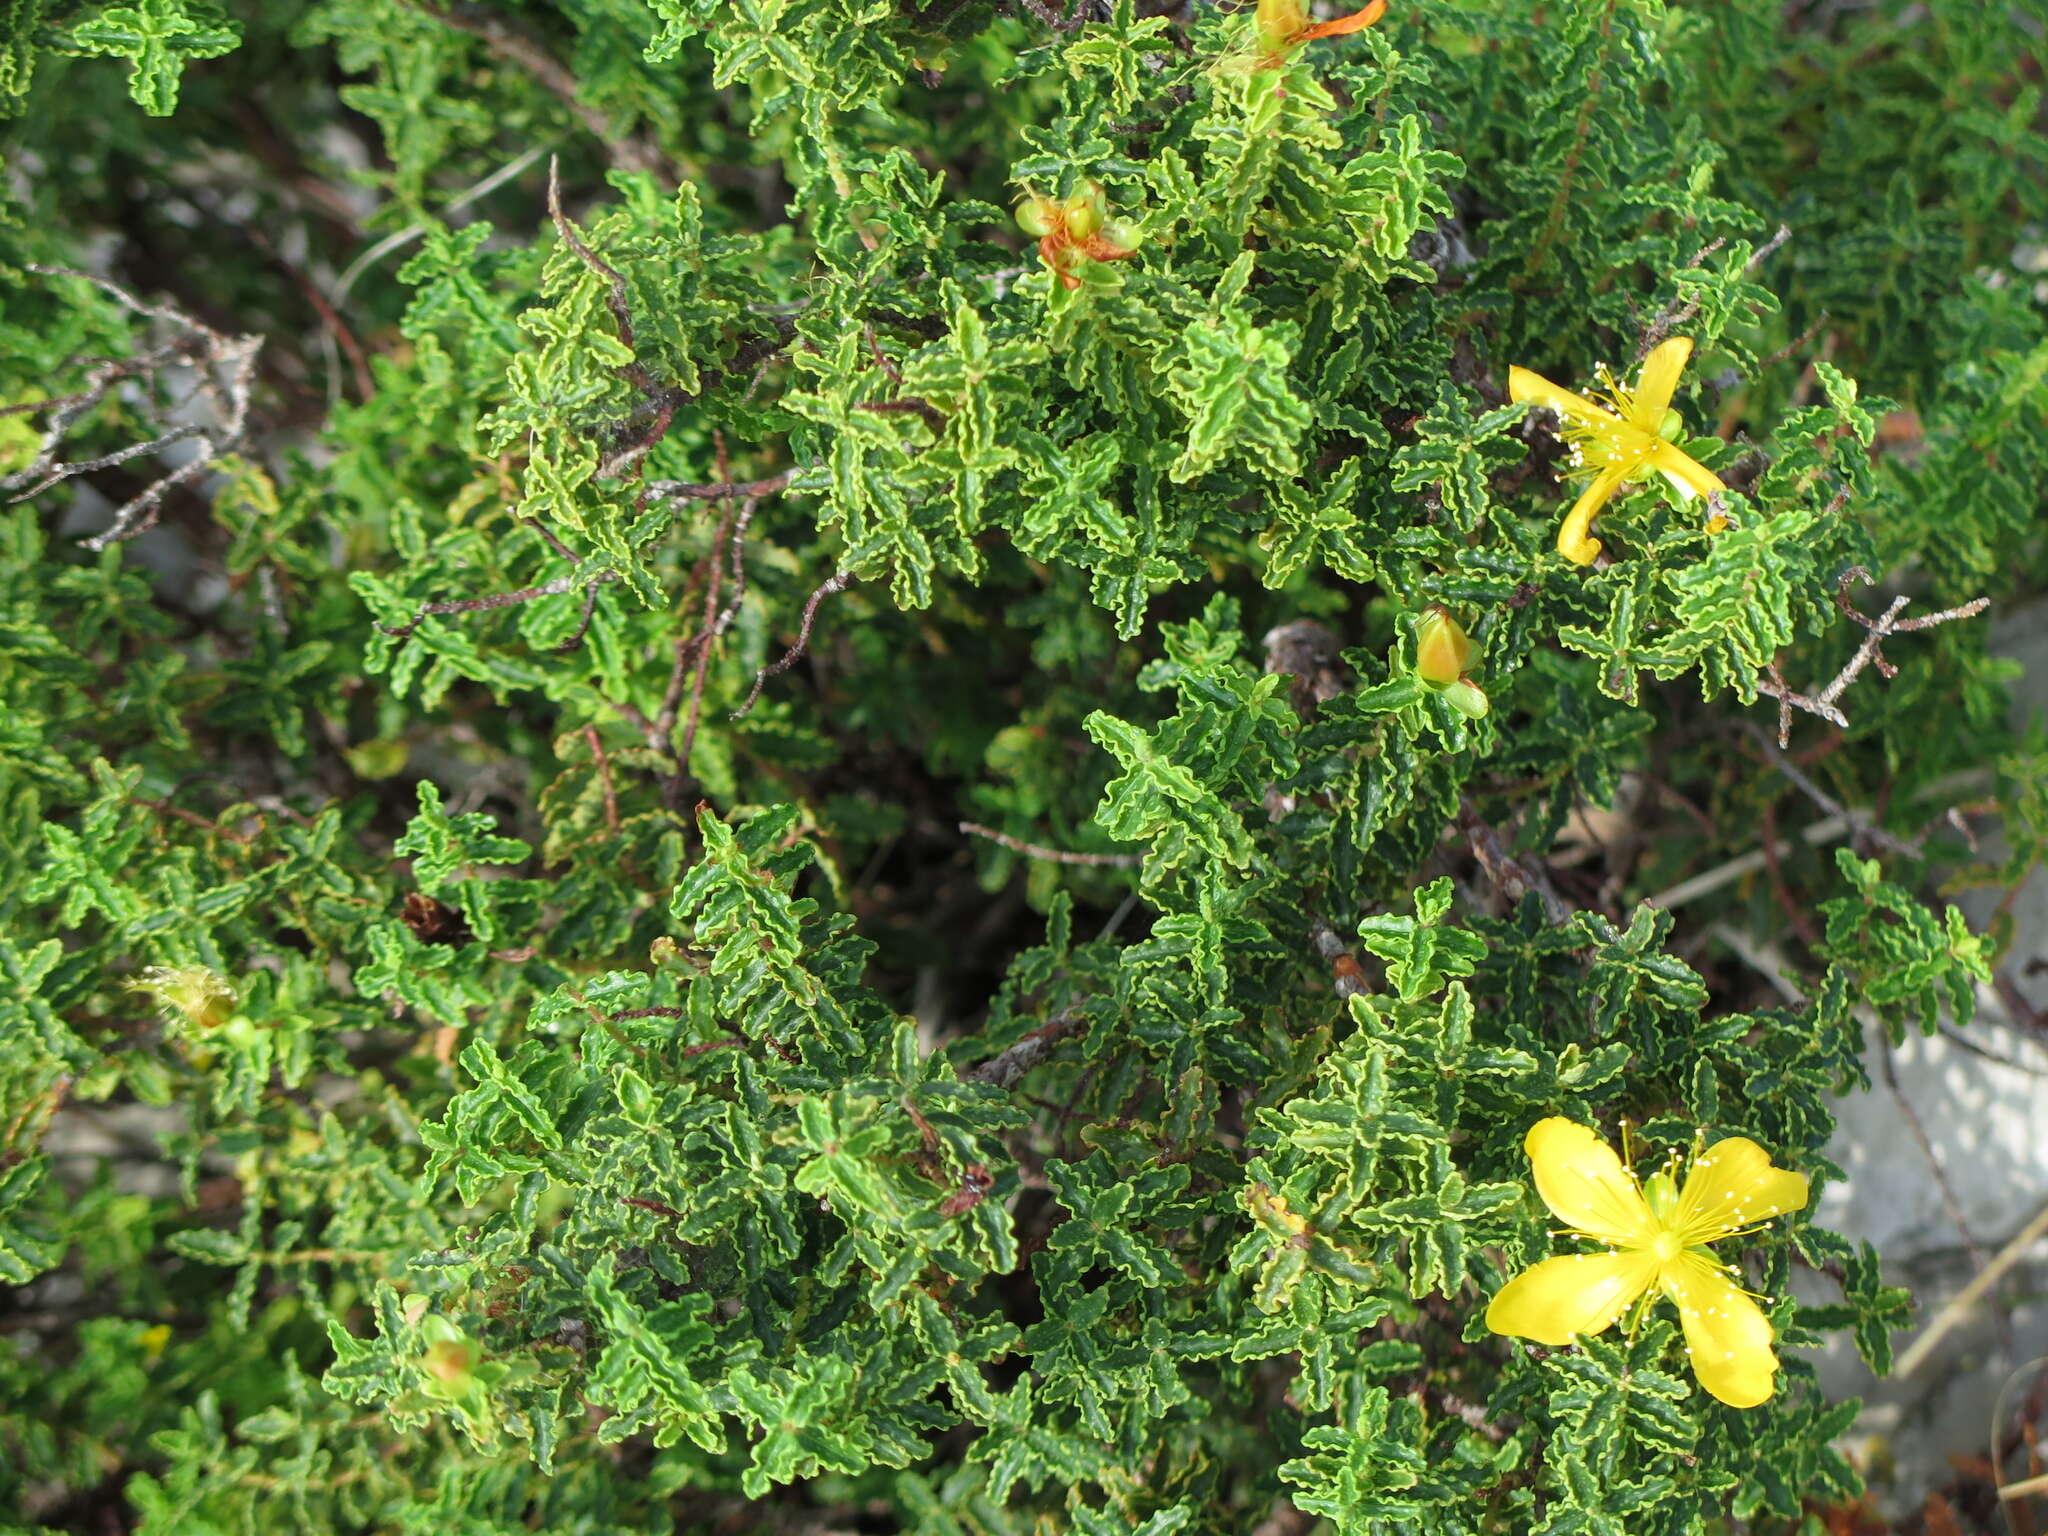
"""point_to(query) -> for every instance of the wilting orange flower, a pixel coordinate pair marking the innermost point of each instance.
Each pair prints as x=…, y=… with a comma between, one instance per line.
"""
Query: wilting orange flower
x=1284, y=24
x=1078, y=228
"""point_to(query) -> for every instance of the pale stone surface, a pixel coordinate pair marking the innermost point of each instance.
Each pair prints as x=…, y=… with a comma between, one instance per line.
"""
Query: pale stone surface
x=1986, y=1123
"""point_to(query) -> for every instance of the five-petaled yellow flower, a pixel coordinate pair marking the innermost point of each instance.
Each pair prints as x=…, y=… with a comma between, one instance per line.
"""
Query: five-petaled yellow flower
x=1656, y=1235
x=1627, y=438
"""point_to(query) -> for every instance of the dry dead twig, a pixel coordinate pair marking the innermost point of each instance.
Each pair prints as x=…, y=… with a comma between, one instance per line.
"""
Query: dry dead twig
x=1056, y=855
x=1769, y=682
x=835, y=584
x=223, y=370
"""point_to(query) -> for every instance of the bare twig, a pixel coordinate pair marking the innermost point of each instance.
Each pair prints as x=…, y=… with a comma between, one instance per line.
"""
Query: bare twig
x=604, y=778
x=664, y=723
x=616, y=297
x=1511, y=876
x=1676, y=313
x=708, y=627
x=1862, y=821
x=1954, y=1206
x=1795, y=344
x=224, y=374
x=400, y=238
x=1005, y=1068
x=739, y=566
x=790, y=657
x=1822, y=704
x=507, y=600
x=1056, y=855
x=683, y=490
x=1074, y=21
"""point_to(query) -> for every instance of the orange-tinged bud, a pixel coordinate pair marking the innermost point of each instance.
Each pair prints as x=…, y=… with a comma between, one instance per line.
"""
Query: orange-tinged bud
x=1444, y=653
x=1037, y=216
x=1282, y=24
x=451, y=1359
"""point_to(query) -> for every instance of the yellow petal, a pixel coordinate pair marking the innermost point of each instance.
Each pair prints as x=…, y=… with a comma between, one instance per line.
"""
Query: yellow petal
x=1584, y=1184
x=1574, y=540
x=1726, y=1333
x=1526, y=388
x=1731, y=1186
x=1687, y=475
x=1659, y=382
x=1556, y=1301
x=1280, y=22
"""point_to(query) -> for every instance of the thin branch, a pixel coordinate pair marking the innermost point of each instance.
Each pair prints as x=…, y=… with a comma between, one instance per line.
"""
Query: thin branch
x=1862, y=821
x=1005, y=1068
x=1677, y=313
x=1822, y=704
x=616, y=298
x=790, y=657
x=554, y=543
x=683, y=490
x=604, y=777
x=1075, y=19
x=1935, y=1166
x=708, y=630
x=739, y=566
x=493, y=600
x=1056, y=855
x=224, y=375
x=1512, y=877
x=664, y=722
x=391, y=242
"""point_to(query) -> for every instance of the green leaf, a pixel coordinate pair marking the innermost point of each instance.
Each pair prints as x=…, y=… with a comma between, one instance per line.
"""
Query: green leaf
x=158, y=37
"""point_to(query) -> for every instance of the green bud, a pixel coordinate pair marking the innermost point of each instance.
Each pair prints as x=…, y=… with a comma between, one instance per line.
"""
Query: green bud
x=1466, y=700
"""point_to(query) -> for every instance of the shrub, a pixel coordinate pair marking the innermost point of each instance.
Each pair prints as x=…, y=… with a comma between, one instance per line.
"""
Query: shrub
x=829, y=764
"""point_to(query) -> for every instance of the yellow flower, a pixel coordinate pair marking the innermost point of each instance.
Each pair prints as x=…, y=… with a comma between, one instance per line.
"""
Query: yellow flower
x=1656, y=1237
x=1626, y=439
x=190, y=992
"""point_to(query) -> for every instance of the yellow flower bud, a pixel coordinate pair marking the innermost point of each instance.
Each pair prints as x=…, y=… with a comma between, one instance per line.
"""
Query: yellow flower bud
x=1444, y=653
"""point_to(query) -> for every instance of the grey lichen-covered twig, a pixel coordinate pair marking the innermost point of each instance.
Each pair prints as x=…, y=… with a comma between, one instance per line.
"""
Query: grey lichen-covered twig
x=223, y=371
x=1006, y=1067
x=1772, y=684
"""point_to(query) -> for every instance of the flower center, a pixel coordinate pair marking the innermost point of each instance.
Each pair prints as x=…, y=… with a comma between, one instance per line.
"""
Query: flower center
x=1667, y=1246
x=1594, y=448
